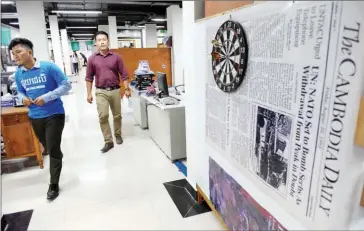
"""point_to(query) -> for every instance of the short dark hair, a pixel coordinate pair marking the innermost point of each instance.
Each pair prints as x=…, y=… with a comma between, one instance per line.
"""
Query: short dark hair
x=22, y=41
x=101, y=33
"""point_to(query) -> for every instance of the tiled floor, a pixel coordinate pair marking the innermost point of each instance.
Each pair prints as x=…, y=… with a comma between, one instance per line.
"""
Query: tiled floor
x=119, y=190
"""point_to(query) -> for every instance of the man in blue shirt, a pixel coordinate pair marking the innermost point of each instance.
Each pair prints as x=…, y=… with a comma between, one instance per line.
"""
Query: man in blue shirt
x=40, y=85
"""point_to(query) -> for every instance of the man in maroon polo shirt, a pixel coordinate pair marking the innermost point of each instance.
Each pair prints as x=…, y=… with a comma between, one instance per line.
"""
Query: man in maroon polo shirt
x=105, y=67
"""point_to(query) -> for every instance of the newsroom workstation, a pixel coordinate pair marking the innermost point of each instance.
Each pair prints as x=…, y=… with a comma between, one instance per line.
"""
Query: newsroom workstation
x=161, y=109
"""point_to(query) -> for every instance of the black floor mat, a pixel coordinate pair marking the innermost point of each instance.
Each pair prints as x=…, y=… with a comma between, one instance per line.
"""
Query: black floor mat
x=185, y=198
x=16, y=221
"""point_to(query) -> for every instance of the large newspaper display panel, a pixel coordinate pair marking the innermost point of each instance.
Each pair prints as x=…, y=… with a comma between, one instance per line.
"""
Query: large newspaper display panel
x=290, y=125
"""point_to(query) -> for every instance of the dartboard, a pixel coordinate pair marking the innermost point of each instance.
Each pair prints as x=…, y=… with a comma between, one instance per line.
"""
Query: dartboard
x=229, y=56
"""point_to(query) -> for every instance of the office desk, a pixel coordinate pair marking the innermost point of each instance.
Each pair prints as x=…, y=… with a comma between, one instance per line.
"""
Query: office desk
x=167, y=126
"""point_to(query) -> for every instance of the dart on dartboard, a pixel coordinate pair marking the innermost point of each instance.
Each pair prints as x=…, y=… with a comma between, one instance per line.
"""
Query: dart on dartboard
x=215, y=43
x=215, y=55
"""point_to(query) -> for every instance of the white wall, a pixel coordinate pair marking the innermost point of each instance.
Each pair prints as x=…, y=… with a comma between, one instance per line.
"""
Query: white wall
x=144, y=40
x=32, y=26
x=191, y=89
x=130, y=33
x=151, y=35
x=66, y=51
x=50, y=47
x=104, y=28
x=175, y=29
x=56, y=41
x=113, y=33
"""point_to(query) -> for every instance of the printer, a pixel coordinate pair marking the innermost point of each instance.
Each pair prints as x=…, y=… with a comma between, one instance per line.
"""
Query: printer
x=143, y=76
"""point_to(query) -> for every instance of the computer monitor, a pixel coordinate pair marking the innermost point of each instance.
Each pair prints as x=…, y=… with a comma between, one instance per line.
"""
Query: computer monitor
x=162, y=84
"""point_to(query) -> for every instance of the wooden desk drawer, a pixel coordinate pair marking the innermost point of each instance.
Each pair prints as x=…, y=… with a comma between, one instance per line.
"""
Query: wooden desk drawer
x=15, y=119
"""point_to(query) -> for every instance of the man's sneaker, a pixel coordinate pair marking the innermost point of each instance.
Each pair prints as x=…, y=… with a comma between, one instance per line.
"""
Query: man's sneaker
x=53, y=192
x=107, y=147
x=119, y=140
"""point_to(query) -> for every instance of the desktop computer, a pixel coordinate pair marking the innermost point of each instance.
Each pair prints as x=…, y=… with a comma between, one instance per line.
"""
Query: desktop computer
x=163, y=94
x=162, y=85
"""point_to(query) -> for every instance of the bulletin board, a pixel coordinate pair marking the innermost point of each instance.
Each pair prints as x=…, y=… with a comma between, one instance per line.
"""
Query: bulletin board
x=257, y=164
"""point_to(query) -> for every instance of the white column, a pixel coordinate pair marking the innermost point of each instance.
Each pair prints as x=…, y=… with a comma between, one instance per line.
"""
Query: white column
x=56, y=41
x=169, y=11
x=190, y=11
x=151, y=35
x=175, y=29
x=66, y=52
x=32, y=26
x=144, y=41
x=104, y=28
x=113, y=33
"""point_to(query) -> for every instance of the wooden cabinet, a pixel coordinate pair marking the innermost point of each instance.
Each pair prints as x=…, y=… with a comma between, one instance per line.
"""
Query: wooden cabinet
x=19, y=138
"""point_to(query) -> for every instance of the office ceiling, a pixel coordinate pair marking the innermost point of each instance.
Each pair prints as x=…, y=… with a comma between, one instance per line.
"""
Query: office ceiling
x=128, y=13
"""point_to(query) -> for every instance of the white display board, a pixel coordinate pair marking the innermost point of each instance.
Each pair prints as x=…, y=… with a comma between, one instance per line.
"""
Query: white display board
x=288, y=130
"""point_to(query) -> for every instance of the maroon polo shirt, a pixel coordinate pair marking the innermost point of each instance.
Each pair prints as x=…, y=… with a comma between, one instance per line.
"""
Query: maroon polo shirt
x=105, y=70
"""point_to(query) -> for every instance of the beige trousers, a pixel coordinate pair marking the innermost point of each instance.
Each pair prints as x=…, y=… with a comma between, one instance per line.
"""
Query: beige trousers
x=105, y=100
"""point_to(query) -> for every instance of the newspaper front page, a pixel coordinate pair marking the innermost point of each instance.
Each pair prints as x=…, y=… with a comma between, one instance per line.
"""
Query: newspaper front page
x=290, y=125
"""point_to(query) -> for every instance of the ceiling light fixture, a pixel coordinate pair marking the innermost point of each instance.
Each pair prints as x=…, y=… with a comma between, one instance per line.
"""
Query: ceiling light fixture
x=81, y=27
x=6, y=2
x=156, y=26
x=14, y=23
x=159, y=19
x=9, y=15
x=82, y=34
x=75, y=12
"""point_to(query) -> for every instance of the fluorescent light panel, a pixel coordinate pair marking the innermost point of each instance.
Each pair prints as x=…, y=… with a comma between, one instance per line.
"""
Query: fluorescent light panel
x=82, y=34
x=9, y=15
x=75, y=12
x=17, y=23
x=81, y=27
x=159, y=19
x=156, y=26
x=7, y=2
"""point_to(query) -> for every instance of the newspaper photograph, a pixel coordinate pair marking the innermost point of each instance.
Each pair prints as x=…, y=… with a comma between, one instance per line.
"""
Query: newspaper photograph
x=290, y=125
x=272, y=148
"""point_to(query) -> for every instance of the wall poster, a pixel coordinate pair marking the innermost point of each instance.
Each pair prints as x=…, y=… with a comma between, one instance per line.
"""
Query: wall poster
x=237, y=208
x=290, y=125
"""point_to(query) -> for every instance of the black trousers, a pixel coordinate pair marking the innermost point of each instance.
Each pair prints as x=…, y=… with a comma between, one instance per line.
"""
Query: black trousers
x=49, y=132
x=75, y=67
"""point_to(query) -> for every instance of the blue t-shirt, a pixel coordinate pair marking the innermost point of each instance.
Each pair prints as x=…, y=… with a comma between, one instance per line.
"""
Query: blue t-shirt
x=42, y=80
